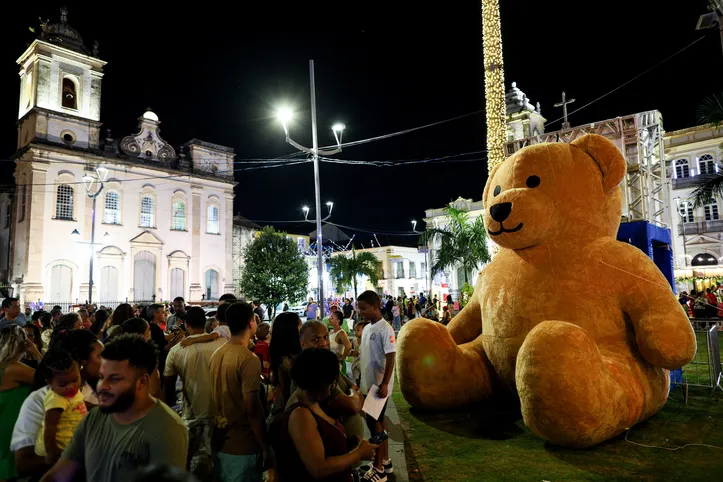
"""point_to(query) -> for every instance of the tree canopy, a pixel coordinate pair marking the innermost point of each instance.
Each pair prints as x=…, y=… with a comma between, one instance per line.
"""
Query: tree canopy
x=344, y=270
x=274, y=270
x=461, y=243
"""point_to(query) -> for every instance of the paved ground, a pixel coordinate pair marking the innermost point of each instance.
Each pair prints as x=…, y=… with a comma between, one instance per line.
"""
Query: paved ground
x=396, y=444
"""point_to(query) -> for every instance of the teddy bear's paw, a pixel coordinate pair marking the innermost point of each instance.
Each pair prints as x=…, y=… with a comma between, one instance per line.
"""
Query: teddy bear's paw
x=436, y=373
x=569, y=393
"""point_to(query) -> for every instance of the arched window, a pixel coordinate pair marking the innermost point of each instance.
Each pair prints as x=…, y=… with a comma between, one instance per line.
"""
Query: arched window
x=178, y=222
x=64, y=202
x=111, y=214
x=711, y=211
x=22, y=203
x=686, y=211
x=212, y=284
x=212, y=219
x=706, y=164
x=147, y=212
x=682, y=168
x=704, y=259
x=70, y=93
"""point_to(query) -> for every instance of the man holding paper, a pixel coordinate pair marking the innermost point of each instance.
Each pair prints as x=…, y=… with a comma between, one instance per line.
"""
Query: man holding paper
x=377, y=352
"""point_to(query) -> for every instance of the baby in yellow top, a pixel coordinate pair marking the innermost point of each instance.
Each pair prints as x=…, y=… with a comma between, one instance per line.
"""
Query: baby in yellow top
x=64, y=405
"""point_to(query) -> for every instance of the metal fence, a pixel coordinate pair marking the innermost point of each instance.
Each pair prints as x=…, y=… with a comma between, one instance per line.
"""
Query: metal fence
x=705, y=369
x=69, y=306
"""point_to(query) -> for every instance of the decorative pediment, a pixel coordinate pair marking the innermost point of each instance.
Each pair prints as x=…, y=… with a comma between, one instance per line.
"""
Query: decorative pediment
x=112, y=251
x=147, y=238
x=178, y=254
x=147, y=144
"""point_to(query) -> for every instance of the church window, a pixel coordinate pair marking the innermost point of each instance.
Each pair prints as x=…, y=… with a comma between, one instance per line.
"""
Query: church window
x=147, y=212
x=8, y=214
x=682, y=169
x=64, y=202
x=212, y=224
x=70, y=93
x=178, y=223
x=111, y=215
x=23, y=201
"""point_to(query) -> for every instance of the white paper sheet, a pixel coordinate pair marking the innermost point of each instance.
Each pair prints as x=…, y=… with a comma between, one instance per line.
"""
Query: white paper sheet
x=373, y=405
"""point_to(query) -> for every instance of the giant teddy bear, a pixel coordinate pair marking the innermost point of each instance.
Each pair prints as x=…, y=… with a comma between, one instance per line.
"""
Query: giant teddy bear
x=581, y=327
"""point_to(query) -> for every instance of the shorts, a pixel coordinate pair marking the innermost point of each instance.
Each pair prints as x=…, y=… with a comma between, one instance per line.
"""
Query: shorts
x=371, y=422
x=199, y=439
x=236, y=468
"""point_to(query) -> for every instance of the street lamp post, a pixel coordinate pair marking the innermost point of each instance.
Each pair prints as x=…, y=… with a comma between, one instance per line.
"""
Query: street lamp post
x=89, y=180
x=682, y=229
x=285, y=116
x=428, y=274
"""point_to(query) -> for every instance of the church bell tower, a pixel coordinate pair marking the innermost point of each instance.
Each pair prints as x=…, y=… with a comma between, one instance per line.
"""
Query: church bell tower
x=60, y=85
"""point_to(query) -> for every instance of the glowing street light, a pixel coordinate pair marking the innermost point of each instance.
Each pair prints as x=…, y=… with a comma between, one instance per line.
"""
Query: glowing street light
x=285, y=114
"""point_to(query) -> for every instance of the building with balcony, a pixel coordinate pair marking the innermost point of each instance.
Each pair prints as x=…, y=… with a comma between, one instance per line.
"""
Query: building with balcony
x=693, y=155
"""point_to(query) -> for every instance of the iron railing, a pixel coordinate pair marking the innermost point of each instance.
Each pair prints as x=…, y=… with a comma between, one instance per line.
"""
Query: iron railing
x=701, y=225
x=68, y=306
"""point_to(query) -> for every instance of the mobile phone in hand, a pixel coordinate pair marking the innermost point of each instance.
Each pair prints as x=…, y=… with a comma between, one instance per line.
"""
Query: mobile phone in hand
x=379, y=437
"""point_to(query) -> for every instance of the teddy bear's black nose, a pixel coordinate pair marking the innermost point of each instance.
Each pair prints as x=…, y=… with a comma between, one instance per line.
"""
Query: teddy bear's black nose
x=501, y=211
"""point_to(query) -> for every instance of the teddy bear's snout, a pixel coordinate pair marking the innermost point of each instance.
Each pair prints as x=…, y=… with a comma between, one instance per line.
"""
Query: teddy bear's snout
x=501, y=211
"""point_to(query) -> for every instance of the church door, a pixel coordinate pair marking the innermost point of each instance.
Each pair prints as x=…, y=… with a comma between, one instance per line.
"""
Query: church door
x=144, y=276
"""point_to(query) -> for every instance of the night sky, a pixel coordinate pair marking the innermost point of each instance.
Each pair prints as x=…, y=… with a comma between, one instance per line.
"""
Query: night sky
x=217, y=73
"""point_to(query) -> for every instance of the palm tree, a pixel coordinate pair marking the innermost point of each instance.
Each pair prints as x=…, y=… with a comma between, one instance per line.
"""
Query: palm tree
x=709, y=111
x=461, y=242
x=344, y=270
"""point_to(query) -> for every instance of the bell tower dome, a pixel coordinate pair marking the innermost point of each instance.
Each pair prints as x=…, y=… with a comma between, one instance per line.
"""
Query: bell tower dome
x=60, y=86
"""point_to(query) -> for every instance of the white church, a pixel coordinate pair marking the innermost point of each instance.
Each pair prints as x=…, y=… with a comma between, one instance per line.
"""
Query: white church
x=163, y=215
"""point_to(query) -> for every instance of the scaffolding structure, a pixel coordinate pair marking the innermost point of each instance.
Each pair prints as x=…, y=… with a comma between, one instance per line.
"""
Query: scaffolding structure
x=640, y=138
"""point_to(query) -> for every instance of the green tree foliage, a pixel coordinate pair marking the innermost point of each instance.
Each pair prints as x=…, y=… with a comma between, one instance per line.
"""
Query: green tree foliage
x=709, y=111
x=344, y=270
x=274, y=270
x=461, y=243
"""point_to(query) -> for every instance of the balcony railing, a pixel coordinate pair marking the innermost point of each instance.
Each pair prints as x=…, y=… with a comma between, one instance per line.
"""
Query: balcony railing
x=700, y=226
x=694, y=181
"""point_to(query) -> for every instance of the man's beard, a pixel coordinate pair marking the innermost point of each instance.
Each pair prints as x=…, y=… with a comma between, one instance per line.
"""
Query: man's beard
x=122, y=403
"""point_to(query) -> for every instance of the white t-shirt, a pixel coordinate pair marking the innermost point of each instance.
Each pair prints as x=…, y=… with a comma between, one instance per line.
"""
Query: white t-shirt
x=224, y=331
x=377, y=342
x=32, y=413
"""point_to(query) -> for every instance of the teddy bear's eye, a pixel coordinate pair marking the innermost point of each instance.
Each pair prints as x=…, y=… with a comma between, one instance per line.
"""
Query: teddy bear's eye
x=533, y=181
x=498, y=189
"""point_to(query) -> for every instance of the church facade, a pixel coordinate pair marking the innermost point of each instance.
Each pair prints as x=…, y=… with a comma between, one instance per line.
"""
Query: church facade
x=162, y=216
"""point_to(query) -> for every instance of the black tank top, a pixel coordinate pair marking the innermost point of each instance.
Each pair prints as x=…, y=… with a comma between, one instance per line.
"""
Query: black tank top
x=288, y=463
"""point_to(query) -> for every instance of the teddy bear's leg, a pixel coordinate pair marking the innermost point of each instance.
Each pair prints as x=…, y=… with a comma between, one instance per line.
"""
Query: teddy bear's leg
x=573, y=394
x=436, y=373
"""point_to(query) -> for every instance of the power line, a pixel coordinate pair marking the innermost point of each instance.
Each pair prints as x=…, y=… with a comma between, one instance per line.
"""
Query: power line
x=629, y=81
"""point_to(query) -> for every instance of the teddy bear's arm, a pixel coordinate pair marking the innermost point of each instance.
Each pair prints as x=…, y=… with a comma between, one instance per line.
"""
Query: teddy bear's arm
x=662, y=329
x=467, y=325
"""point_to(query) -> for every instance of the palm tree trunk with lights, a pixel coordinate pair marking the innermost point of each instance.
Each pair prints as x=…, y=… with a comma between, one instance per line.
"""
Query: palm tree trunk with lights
x=494, y=83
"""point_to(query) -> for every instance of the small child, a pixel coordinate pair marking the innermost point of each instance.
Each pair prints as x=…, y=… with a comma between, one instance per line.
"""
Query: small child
x=262, y=347
x=355, y=353
x=63, y=405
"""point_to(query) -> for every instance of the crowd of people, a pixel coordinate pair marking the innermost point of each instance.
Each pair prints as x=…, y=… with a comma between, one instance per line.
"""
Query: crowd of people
x=394, y=310
x=132, y=393
x=702, y=304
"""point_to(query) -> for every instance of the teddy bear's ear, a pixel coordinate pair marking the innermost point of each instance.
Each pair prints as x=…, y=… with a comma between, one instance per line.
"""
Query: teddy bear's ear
x=608, y=158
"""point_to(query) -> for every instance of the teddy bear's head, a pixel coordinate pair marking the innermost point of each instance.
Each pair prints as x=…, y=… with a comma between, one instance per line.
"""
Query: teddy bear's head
x=555, y=191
